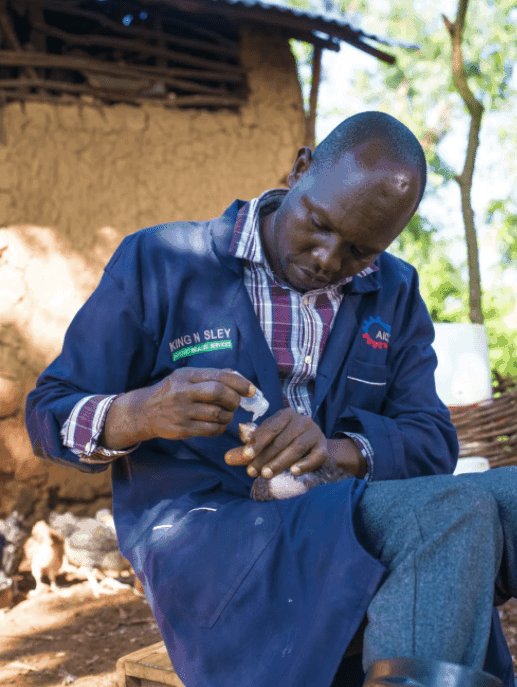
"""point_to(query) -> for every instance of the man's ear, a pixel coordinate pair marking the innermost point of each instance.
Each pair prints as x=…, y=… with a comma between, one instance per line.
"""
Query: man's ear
x=301, y=165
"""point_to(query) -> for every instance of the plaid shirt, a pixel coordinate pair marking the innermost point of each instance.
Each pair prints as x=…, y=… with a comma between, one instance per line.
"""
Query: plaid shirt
x=296, y=327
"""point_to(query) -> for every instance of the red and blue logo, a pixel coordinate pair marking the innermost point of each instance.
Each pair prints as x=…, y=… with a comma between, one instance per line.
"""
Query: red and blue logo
x=376, y=332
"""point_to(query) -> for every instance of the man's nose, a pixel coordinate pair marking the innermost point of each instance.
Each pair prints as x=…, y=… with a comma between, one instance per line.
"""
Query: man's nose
x=328, y=258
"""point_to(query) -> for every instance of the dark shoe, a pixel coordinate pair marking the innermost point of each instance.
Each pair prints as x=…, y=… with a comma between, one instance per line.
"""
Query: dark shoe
x=416, y=672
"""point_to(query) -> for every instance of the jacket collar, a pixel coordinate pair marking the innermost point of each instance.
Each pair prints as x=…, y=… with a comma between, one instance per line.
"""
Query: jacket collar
x=222, y=233
x=370, y=282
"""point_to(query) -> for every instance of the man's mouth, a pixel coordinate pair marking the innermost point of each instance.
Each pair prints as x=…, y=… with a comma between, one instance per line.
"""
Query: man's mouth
x=319, y=281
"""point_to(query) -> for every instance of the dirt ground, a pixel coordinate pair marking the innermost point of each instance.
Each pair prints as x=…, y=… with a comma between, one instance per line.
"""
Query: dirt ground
x=57, y=639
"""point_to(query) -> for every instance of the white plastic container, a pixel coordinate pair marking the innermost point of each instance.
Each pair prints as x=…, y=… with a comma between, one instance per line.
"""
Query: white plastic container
x=463, y=374
x=471, y=464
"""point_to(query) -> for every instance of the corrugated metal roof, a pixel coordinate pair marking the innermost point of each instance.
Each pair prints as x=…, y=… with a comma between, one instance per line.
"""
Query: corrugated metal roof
x=332, y=19
x=321, y=28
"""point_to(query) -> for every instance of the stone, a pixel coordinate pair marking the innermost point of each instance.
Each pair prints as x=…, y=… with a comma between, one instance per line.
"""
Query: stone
x=65, y=524
x=93, y=536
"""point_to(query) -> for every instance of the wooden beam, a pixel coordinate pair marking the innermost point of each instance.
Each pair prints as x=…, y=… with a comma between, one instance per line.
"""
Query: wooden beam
x=177, y=102
x=365, y=47
x=12, y=38
x=14, y=58
x=310, y=119
x=308, y=37
x=93, y=89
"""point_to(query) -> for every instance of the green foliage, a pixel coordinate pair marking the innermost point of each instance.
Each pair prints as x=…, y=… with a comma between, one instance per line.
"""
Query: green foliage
x=502, y=215
x=303, y=55
x=441, y=283
x=498, y=304
x=419, y=90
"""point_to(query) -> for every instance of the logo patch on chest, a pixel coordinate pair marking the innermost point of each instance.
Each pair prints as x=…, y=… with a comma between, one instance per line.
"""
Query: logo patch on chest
x=376, y=332
x=204, y=341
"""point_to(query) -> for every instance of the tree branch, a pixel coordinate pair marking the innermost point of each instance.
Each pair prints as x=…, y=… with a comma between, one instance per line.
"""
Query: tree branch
x=475, y=108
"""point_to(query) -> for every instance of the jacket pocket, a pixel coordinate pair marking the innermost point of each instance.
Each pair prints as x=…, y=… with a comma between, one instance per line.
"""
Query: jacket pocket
x=365, y=385
x=197, y=564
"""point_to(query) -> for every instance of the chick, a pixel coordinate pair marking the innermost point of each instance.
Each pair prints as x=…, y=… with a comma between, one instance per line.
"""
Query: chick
x=287, y=485
x=45, y=550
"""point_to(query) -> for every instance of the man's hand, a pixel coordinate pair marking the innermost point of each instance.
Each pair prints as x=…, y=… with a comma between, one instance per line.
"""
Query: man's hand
x=187, y=403
x=194, y=402
x=285, y=441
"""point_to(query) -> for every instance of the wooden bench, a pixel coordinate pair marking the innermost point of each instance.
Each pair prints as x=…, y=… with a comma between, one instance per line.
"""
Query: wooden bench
x=151, y=666
x=147, y=667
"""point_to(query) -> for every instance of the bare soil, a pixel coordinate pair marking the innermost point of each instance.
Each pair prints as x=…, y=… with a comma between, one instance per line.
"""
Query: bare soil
x=53, y=640
x=60, y=638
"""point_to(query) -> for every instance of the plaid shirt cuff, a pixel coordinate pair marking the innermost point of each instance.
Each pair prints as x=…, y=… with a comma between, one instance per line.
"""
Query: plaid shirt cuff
x=364, y=446
x=82, y=430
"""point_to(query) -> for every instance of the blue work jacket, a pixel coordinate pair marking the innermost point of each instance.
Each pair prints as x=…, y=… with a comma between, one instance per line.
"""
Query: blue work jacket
x=248, y=593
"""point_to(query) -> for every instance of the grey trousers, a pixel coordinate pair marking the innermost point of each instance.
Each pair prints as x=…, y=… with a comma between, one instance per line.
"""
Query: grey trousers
x=449, y=544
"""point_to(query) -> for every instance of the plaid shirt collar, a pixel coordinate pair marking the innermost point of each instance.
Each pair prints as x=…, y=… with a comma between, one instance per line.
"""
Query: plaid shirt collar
x=247, y=245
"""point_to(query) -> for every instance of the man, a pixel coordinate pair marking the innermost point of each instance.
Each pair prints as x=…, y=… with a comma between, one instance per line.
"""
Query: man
x=293, y=291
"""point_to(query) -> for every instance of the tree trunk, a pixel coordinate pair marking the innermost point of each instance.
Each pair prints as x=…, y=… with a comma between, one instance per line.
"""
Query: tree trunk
x=464, y=179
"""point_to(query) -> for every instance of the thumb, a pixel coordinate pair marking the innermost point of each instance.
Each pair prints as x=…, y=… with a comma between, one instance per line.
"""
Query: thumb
x=235, y=456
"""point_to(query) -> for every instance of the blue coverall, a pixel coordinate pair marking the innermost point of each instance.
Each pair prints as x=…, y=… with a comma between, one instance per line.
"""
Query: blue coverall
x=249, y=593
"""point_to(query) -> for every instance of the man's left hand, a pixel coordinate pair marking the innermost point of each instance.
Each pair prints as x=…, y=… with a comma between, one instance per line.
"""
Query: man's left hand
x=285, y=441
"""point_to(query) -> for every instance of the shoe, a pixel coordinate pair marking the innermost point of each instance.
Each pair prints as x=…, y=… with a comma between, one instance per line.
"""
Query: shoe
x=417, y=672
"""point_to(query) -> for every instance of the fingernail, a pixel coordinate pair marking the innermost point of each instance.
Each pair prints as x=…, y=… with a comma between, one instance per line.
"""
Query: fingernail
x=252, y=390
x=248, y=452
x=267, y=473
x=252, y=472
x=295, y=470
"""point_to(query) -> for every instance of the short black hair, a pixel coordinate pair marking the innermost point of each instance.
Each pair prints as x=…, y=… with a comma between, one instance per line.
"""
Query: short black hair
x=365, y=126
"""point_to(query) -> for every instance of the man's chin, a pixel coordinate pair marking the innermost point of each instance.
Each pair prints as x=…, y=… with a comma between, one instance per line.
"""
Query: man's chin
x=306, y=281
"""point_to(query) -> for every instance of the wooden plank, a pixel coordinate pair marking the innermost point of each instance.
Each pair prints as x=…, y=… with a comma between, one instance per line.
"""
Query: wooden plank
x=68, y=61
x=136, y=71
x=150, y=663
x=155, y=674
x=142, y=653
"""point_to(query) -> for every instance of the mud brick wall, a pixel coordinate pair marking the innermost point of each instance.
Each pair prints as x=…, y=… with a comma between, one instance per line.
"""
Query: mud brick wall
x=74, y=180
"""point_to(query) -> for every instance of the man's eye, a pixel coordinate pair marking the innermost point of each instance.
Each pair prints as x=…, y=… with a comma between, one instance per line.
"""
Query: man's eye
x=319, y=227
x=357, y=253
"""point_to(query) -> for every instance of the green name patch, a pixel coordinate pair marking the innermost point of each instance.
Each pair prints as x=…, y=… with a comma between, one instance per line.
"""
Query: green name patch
x=201, y=348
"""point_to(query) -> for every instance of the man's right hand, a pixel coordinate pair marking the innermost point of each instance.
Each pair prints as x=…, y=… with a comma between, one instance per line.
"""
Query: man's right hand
x=187, y=403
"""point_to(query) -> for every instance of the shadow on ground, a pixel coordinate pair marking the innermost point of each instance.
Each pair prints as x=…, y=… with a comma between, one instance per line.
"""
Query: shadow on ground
x=53, y=640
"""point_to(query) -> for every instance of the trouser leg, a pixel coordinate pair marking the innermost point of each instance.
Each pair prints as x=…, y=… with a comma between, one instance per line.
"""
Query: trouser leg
x=502, y=484
x=441, y=541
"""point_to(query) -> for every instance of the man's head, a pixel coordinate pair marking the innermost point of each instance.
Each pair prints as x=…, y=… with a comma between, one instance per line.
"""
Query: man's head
x=347, y=201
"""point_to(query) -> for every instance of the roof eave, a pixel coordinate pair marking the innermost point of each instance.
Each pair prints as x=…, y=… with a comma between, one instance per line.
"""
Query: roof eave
x=295, y=26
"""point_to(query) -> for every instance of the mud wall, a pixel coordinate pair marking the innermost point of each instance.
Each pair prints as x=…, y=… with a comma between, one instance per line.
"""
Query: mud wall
x=74, y=180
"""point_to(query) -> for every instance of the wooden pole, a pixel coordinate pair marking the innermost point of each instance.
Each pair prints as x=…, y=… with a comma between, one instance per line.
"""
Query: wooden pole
x=310, y=119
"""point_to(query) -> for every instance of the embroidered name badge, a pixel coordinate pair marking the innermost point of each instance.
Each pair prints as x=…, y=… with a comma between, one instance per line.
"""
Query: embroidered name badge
x=376, y=332
x=192, y=344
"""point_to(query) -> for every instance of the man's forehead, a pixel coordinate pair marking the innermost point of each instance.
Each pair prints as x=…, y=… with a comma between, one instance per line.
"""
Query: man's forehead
x=350, y=175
